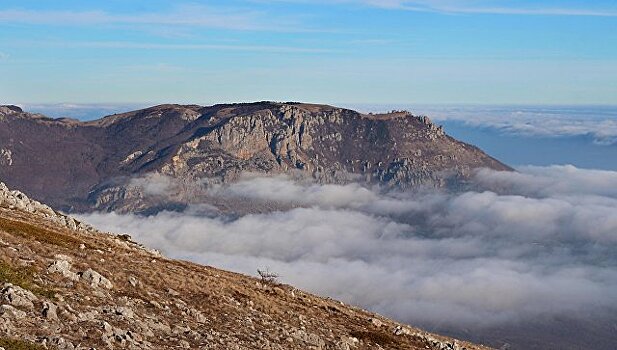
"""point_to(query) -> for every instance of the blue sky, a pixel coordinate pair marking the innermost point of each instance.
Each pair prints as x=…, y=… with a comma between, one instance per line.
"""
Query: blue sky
x=345, y=51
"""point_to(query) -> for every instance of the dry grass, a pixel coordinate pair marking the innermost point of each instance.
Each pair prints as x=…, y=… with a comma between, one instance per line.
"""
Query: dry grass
x=24, y=278
x=18, y=276
x=14, y=344
x=25, y=230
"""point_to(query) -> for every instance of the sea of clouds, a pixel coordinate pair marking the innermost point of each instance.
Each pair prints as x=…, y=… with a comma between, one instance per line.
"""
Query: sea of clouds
x=599, y=123
x=80, y=111
x=536, y=243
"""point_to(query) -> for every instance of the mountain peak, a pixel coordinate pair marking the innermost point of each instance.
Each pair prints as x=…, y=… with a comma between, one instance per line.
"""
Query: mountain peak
x=93, y=162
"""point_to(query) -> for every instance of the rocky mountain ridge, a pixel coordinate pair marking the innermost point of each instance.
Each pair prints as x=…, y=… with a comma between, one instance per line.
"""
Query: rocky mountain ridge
x=65, y=285
x=78, y=166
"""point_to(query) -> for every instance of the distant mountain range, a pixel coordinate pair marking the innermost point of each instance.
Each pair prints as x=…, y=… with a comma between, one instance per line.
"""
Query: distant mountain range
x=81, y=166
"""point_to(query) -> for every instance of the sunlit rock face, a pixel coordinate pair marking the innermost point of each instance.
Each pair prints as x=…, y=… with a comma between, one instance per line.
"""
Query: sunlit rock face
x=78, y=166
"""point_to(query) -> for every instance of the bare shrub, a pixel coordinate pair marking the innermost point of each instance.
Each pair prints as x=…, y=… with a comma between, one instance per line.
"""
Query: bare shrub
x=268, y=276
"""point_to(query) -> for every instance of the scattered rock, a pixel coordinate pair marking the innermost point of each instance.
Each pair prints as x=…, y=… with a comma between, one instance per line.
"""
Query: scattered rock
x=49, y=310
x=57, y=343
x=87, y=316
x=18, y=200
x=17, y=296
x=11, y=312
x=63, y=267
x=95, y=279
x=113, y=336
x=121, y=311
x=197, y=315
x=399, y=330
x=133, y=281
x=376, y=322
x=309, y=338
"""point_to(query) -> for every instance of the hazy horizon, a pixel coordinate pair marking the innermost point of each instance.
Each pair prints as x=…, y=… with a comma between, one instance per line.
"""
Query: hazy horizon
x=519, y=135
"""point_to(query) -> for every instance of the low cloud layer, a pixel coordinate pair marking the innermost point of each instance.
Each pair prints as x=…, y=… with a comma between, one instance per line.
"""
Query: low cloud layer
x=79, y=111
x=541, y=242
x=597, y=122
x=154, y=184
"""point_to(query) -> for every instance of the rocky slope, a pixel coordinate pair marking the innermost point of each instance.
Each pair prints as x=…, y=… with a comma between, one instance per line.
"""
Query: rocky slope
x=64, y=285
x=76, y=166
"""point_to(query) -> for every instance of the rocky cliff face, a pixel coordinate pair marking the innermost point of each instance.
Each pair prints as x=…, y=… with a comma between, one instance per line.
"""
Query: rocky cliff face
x=80, y=166
x=64, y=285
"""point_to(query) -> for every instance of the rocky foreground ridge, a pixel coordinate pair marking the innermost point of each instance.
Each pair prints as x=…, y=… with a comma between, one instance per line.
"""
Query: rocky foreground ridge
x=65, y=285
x=80, y=166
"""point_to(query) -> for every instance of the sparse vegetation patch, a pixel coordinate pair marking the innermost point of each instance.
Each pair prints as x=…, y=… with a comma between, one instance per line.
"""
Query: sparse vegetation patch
x=14, y=344
x=22, y=277
x=25, y=230
x=268, y=276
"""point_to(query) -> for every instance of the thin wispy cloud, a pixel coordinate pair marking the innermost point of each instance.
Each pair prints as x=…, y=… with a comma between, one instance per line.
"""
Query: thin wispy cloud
x=183, y=15
x=190, y=47
x=487, y=7
x=473, y=7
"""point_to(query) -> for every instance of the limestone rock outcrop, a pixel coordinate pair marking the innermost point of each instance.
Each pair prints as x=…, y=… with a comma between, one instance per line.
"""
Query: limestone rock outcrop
x=13, y=199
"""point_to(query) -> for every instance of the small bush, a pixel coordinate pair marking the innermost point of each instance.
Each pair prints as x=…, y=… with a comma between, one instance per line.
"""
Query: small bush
x=126, y=238
x=268, y=276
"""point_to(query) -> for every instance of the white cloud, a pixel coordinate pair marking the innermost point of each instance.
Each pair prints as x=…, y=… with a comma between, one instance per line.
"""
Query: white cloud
x=552, y=181
x=600, y=123
x=282, y=189
x=183, y=47
x=539, y=243
x=154, y=184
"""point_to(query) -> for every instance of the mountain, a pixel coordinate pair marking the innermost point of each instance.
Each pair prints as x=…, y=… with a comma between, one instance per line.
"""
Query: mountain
x=65, y=285
x=80, y=166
